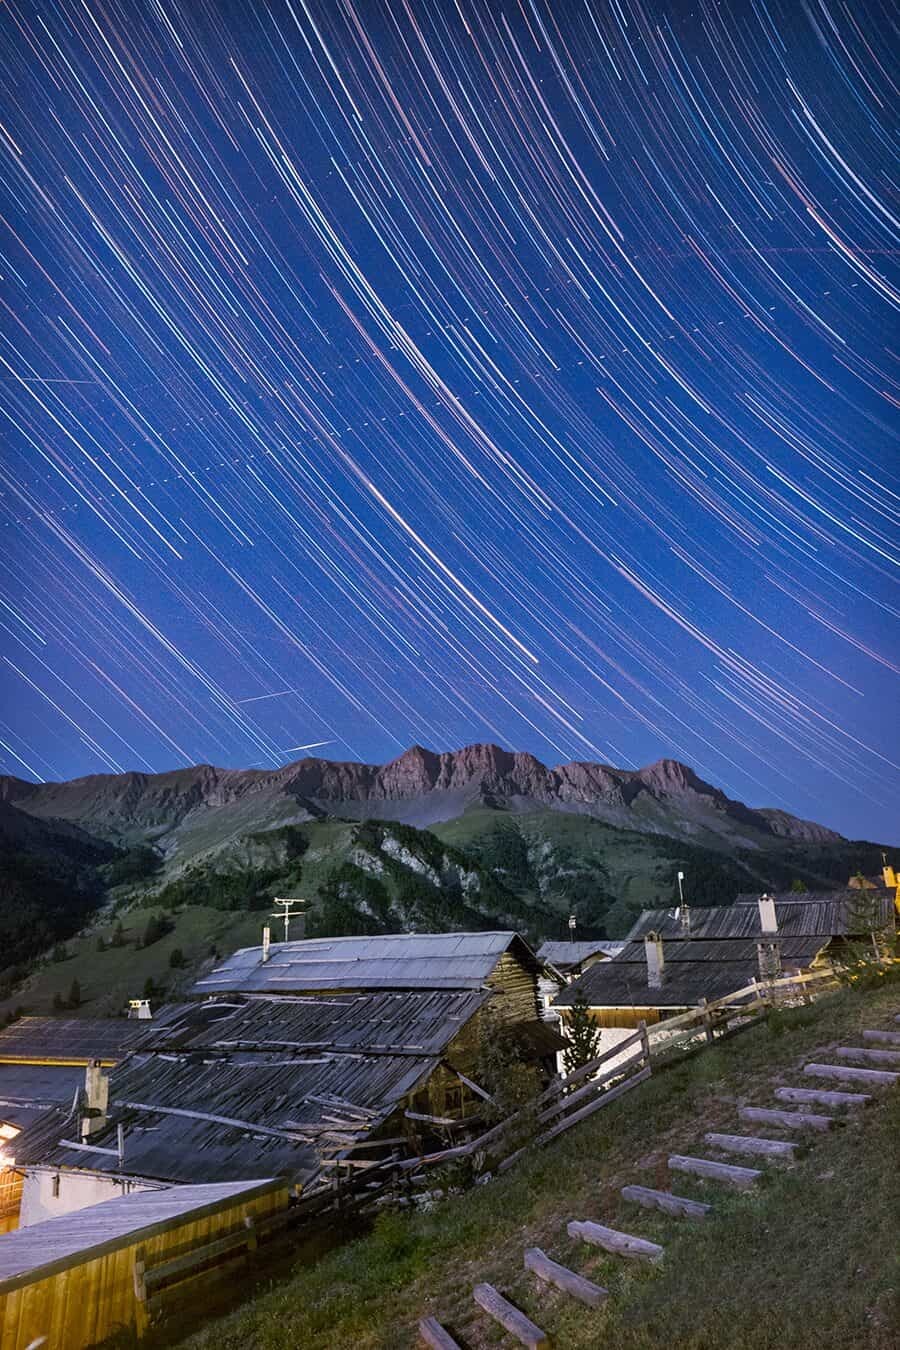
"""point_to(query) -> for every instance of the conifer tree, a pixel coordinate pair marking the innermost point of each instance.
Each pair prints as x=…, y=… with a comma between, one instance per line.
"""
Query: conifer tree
x=582, y=1033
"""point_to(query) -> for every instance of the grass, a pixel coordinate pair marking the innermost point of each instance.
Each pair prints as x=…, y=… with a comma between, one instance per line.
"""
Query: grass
x=109, y=978
x=807, y=1261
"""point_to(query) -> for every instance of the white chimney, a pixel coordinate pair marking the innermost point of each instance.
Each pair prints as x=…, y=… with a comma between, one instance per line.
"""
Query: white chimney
x=768, y=923
x=653, y=948
x=94, y=1099
x=267, y=942
x=139, y=1008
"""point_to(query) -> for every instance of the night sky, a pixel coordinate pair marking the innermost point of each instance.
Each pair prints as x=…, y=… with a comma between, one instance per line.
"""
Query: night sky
x=443, y=371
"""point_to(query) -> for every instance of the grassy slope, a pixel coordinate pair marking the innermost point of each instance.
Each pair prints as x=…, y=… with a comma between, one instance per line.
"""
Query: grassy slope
x=807, y=1262
x=108, y=979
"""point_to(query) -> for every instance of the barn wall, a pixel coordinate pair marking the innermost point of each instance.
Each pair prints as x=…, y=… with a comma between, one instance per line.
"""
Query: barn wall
x=87, y=1302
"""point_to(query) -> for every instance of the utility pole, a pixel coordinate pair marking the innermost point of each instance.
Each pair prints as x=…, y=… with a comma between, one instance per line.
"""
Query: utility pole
x=288, y=912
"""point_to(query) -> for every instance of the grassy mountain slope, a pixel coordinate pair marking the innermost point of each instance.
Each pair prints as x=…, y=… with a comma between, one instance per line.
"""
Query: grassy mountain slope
x=807, y=1260
x=487, y=869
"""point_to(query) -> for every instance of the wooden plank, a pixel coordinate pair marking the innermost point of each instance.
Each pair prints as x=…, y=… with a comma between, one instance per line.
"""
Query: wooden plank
x=603, y=1100
x=748, y=1143
x=433, y=1334
x=791, y=1120
x=741, y=1177
x=872, y=1077
x=677, y=1205
x=868, y=1055
x=571, y=1283
x=611, y=1240
x=821, y=1097
x=509, y=1317
x=885, y=1037
x=591, y=1087
x=179, y=1265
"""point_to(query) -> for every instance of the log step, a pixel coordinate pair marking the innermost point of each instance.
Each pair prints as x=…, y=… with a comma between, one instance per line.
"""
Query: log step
x=621, y=1244
x=821, y=1097
x=510, y=1317
x=741, y=1177
x=885, y=1037
x=865, y=1052
x=791, y=1120
x=433, y=1334
x=540, y=1264
x=667, y=1202
x=748, y=1143
x=873, y=1077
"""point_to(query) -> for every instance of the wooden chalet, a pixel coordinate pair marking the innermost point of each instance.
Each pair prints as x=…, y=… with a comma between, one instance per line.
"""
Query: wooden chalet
x=674, y=959
x=291, y=1061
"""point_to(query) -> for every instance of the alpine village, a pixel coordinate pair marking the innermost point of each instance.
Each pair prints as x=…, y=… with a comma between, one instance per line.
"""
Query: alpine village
x=261, y=1020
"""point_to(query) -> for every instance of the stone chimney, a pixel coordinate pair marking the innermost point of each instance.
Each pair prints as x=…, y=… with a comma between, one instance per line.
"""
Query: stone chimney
x=266, y=942
x=768, y=922
x=768, y=955
x=653, y=948
x=94, y=1099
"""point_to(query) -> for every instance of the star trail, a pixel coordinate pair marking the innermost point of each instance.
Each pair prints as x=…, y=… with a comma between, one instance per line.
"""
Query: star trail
x=389, y=371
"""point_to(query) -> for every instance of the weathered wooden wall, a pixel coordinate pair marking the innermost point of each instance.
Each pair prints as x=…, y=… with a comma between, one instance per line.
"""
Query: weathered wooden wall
x=517, y=990
x=88, y=1301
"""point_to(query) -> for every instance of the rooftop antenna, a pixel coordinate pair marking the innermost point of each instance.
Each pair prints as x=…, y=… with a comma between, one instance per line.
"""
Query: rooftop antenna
x=287, y=911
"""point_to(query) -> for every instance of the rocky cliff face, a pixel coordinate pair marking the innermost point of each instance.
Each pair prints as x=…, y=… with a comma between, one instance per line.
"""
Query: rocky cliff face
x=420, y=787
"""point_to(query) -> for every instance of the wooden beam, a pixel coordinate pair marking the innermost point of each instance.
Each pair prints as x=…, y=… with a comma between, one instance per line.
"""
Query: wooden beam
x=433, y=1334
x=509, y=1317
x=677, y=1205
x=620, y=1244
x=584, y=1290
x=473, y=1087
x=791, y=1120
x=871, y=1077
x=870, y=1056
x=749, y=1143
x=821, y=1097
x=885, y=1037
x=741, y=1177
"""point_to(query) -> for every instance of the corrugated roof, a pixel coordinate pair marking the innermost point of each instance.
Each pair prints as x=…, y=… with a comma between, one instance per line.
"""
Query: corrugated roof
x=27, y=1090
x=251, y=1094
x=417, y=1022
x=818, y=913
x=392, y=961
x=799, y=950
x=42, y=1249
x=563, y=955
x=68, y=1038
x=623, y=984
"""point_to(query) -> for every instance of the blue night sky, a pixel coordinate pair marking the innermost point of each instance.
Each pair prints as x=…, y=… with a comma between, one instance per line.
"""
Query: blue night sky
x=443, y=371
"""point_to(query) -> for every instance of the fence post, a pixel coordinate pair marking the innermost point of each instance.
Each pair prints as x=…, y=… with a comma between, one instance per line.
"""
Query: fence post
x=645, y=1042
x=707, y=1021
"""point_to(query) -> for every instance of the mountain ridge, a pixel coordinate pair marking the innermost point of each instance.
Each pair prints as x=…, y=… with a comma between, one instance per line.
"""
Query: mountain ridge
x=420, y=787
